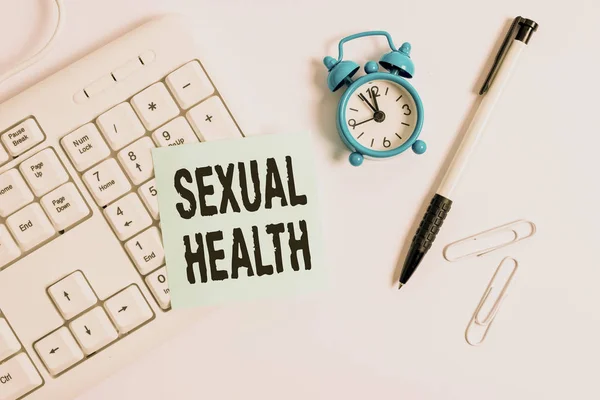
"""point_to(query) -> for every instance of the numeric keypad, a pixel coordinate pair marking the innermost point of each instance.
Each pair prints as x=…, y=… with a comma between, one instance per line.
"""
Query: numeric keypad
x=114, y=156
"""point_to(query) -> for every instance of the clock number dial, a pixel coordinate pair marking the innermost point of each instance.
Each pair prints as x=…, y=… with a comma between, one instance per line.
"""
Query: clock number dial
x=373, y=91
x=385, y=122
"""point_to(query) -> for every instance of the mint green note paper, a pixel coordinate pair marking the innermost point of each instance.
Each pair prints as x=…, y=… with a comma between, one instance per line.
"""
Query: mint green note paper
x=239, y=219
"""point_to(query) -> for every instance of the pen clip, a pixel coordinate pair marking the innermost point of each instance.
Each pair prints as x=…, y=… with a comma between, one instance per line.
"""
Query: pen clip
x=501, y=54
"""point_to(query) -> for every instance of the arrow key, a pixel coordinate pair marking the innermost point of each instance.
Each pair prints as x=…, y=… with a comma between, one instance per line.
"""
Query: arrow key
x=58, y=351
x=72, y=295
x=128, y=309
x=137, y=160
x=93, y=330
x=128, y=216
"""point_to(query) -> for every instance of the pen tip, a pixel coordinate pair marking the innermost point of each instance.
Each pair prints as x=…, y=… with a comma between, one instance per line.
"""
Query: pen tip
x=400, y=286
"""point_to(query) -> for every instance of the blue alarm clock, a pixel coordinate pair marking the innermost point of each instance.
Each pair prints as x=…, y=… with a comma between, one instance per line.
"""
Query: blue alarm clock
x=380, y=115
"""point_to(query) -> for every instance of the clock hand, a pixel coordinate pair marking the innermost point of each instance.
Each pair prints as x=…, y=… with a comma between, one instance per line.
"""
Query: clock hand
x=374, y=99
x=366, y=120
x=363, y=98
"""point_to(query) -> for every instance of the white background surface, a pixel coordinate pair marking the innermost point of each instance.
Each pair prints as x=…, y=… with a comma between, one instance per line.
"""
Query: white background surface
x=362, y=338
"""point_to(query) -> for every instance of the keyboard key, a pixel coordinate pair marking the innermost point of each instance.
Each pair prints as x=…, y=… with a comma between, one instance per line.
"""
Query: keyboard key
x=93, y=330
x=65, y=206
x=106, y=181
x=175, y=133
x=3, y=155
x=120, y=126
x=128, y=309
x=128, y=216
x=9, y=344
x=14, y=192
x=58, y=351
x=18, y=377
x=211, y=121
x=72, y=295
x=9, y=250
x=30, y=226
x=137, y=160
x=155, y=106
x=22, y=137
x=159, y=286
x=146, y=250
x=190, y=84
x=85, y=147
x=44, y=172
x=148, y=193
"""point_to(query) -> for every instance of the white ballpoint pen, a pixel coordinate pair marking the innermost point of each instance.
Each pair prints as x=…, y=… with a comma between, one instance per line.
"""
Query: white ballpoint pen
x=514, y=43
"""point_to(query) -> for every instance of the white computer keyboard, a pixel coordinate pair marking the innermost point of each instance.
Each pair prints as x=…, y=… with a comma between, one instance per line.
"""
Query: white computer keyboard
x=83, y=286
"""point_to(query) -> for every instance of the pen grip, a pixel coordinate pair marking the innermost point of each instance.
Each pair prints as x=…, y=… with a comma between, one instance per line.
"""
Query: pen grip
x=431, y=223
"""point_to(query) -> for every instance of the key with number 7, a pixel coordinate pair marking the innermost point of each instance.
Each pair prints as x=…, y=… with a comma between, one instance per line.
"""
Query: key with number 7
x=106, y=181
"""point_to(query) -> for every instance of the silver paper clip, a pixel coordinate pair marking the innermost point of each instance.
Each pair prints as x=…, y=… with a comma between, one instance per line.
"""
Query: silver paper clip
x=473, y=334
x=487, y=241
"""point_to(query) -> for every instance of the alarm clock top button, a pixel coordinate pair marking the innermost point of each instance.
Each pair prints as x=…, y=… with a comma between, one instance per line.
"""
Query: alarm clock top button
x=371, y=67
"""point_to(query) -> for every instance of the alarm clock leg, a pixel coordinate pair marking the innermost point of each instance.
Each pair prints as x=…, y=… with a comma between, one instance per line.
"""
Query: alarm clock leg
x=419, y=147
x=356, y=159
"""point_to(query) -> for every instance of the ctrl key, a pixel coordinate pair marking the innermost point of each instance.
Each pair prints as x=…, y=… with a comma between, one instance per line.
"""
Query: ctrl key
x=18, y=377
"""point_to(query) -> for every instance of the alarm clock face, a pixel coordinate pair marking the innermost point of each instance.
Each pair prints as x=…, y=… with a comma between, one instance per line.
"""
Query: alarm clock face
x=381, y=115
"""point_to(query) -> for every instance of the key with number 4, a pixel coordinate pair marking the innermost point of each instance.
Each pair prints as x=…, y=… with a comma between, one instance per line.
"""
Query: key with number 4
x=128, y=216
